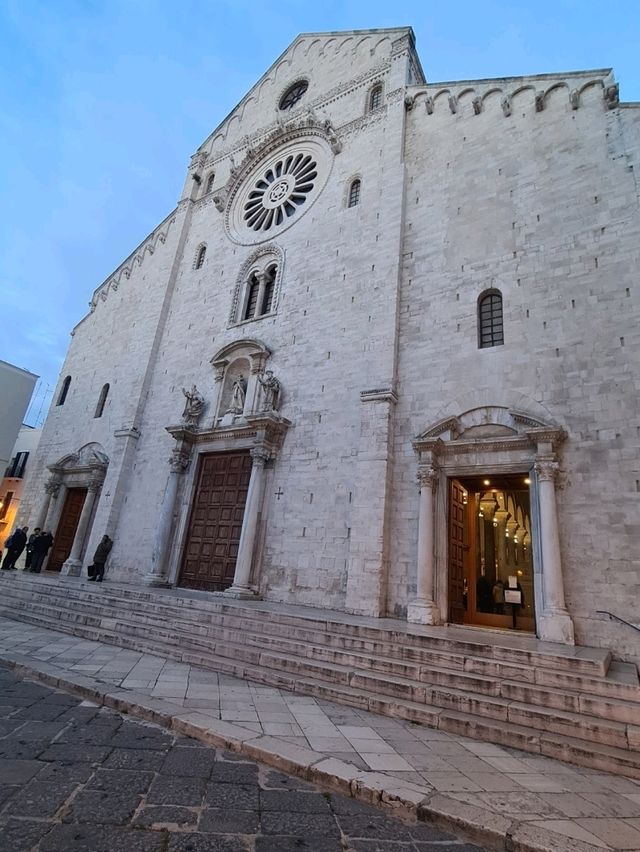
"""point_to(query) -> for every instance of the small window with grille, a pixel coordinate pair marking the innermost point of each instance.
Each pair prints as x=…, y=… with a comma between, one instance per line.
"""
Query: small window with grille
x=375, y=98
x=490, y=325
x=64, y=390
x=101, y=401
x=354, y=194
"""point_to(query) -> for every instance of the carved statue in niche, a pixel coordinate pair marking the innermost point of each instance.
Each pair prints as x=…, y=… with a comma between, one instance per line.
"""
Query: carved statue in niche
x=238, y=395
x=193, y=407
x=270, y=391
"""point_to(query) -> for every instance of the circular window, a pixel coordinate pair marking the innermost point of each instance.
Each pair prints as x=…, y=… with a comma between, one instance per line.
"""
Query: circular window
x=278, y=190
x=293, y=95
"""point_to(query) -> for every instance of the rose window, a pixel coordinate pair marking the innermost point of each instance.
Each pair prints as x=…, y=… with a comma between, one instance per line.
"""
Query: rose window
x=280, y=191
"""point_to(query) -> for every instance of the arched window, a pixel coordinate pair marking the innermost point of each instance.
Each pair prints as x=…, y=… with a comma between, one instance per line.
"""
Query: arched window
x=293, y=94
x=490, y=327
x=64, y=391
x=202, y=252
x=101, y=401
x=375, y=98
x=210, y=181
x=270, y=283
x=354, y=193
x=252, y=297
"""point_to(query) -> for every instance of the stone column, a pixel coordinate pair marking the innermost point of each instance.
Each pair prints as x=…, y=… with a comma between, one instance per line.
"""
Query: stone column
x=51, y=488
x=501, y=516
x=73, y=565
x=158, y=574
x=423, y=609
x=555, y=623
x=242, y=576
x=262, y=286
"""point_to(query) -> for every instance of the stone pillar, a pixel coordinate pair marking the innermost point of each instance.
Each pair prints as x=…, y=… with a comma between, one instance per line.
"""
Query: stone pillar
x=262, y=286
x=158, y=574
x=502, y=516
x=423, y=609
x=51, y=488
x=555, y=623
x=73, y=565
x=242, y=576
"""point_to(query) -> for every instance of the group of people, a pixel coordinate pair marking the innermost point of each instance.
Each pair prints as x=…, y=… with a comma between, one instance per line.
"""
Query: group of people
x=37, y=545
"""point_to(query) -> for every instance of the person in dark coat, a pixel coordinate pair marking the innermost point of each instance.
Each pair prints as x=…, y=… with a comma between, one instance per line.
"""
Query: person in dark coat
x=15, y=545
x=40, y=549
x=29, y=557
x=96, y=571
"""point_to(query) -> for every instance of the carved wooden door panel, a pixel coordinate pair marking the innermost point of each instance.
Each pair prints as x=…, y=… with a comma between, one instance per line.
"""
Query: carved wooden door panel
x=457, y=549
x=67, y=526
x=211, y=548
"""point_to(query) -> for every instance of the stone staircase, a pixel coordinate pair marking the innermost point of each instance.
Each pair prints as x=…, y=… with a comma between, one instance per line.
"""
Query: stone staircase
x=573, y=704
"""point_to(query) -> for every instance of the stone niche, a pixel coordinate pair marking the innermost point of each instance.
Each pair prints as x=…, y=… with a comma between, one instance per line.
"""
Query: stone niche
x=237, y=367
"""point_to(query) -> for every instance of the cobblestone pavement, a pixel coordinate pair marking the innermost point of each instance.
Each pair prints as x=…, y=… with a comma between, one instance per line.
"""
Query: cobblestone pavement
x=568, y=805
x=78, y=778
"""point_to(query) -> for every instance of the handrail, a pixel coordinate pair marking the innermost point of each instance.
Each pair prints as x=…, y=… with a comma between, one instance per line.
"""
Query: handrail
x=617, y=618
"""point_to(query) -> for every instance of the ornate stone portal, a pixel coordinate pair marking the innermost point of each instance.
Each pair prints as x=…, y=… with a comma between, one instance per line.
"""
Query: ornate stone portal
x=489, y=440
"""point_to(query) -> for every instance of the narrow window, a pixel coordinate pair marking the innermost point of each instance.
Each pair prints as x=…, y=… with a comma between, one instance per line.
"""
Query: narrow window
x=101, y=401
x=202, y=251
x=375, y=98
x=17, y=466
x=270, y=281
x=354, y=194
x=252, y=297
x=210, y=181
x=490, y=328
x=64, y=391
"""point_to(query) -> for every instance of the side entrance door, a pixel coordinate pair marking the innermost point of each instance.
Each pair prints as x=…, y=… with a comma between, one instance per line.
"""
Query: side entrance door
x=213, y=535
x=457, y=550
x=67, y=526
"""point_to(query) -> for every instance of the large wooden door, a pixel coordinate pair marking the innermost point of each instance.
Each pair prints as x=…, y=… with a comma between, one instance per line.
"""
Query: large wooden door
x=457, y=550
x=213, y=535
x=67, y=526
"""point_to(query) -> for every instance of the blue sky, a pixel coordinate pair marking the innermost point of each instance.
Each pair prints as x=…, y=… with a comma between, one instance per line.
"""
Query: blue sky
x=102, y=102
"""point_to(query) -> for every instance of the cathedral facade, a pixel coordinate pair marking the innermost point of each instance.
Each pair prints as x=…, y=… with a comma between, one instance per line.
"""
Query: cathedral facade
x=381, y=358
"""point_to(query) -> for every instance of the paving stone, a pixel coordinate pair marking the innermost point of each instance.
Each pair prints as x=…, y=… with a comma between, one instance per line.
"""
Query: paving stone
x=291, y=801
x=33, y=731
x=302, y=825
x=69, y=752
x=63, y=773
x=78, y=714
x=215, y=821
x=424, y=832
x=235, y=773
x=189, y=762
x=7, y=790
x=62, y=698
x=375, y=827
x=159, y=816
x=43, y=711
x=18, y=771
x=103, y=807
x=39, y=799
x=89, y=734
x=99, y=838
x=447, y=847
x=14, y=749
x=313, y=843
x=242, y=797
x=347, y=805
x=124, y=780
x=21, y=835
x=131, y=758
x=280, y=781
x=166, y=790
x=384, y=846
x=208, y=843
x=7, y=726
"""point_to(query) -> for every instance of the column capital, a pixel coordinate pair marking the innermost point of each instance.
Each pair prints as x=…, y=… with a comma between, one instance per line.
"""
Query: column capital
x=427, y=476
x=94, y=485
x=546, y=469
x=260, y=457
x=52, y=486
x=179, y=461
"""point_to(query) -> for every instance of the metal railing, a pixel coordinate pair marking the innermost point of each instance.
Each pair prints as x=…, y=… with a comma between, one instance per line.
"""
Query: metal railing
x=617, y=618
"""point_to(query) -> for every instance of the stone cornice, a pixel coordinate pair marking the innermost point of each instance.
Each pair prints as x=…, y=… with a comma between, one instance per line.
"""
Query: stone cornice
x=379, y=395
x=264, y=431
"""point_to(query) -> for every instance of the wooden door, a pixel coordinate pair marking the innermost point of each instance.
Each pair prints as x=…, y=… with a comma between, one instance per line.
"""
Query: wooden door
x=213, y=535
x=457, y=550
x=67, y=526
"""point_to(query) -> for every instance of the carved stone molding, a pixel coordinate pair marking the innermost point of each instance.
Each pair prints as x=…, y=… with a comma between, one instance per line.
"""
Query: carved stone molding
x=379, y=395
x=260, y=457
x=52, y=486
x=427, y=477
x=546, y=469
x=180, y=459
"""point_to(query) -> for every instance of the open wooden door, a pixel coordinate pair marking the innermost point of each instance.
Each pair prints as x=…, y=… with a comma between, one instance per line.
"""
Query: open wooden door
x=457, y=550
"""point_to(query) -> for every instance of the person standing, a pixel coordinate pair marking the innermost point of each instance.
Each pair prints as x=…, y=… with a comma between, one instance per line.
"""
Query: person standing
x=15, y=545
x=100, y=557
x=40, y=549
x=29, y=557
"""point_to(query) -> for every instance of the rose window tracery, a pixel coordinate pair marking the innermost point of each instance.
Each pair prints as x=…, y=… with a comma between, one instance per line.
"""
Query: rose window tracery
x=280, y=191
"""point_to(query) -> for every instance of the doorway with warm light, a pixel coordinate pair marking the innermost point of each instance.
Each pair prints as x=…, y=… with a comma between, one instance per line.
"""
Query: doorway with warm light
x=490, y=549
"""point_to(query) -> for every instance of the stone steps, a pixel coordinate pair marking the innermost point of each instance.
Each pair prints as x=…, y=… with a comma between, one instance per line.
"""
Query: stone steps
x=450, y=717
x=461, y=687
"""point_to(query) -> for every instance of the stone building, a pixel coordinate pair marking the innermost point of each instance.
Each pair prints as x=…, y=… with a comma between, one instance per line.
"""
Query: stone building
x=382, y=357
